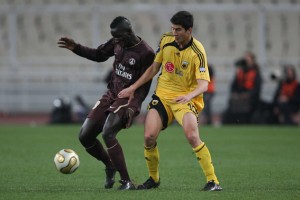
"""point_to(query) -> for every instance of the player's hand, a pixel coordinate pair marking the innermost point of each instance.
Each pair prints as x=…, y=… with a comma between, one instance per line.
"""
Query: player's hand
x=183, y=99
x=129, y=116
x=127, y=93
x=67, y=43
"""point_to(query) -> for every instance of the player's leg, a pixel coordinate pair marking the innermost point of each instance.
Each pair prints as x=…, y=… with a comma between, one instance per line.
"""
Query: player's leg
x=157, y=119
x=112, y=126
x=88, y=138
x=153, y=126
x=89, y=131
x=190, y=127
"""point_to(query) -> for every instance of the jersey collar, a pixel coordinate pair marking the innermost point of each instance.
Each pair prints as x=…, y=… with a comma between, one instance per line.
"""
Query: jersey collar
x=185, y=47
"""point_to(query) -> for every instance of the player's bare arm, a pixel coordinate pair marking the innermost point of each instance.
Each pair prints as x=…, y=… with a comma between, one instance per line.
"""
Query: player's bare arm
x=148, y=75
x=66, y=43
x=201, y=88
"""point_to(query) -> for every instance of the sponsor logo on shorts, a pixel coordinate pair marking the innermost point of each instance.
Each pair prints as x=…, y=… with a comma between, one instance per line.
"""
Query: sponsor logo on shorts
x=154, y=102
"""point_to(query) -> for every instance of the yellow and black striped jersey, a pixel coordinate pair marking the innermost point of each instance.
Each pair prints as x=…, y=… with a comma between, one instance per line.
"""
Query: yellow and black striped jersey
x=180, y=67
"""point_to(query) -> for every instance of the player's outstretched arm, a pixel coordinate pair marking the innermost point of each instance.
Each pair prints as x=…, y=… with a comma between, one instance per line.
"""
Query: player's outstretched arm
x=67, y=43
x=147, y=76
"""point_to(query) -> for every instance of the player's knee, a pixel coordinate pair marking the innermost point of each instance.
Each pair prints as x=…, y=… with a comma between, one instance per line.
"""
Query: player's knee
x=86, y=137
x=150, y=139
x=109, y=138
x=83, y=138
x=88, y=132
x=111, y=128
x=105, y=135
x=193, y=139
x=190, y=130
x=108, y=134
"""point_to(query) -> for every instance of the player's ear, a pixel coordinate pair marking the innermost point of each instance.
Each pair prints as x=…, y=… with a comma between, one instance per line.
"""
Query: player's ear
x=189, y=30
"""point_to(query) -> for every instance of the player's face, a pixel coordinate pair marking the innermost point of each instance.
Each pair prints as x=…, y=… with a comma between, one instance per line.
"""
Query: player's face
x=182, y=36
x=121, y=37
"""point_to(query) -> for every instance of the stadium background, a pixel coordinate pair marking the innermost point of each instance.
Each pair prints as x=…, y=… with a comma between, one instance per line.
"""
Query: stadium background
x=252, y=162
x=34, y=71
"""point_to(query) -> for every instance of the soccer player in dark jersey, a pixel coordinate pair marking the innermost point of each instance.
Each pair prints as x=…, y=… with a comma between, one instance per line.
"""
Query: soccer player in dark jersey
x=110, y=114
x=184, y=77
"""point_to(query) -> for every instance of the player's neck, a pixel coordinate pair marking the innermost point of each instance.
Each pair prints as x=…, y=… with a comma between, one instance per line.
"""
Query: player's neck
x=184, y=43
x=135, y=40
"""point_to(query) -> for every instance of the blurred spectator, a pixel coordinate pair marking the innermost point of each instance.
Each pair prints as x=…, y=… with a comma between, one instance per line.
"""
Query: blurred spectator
x=61, y=111
x=208, y=96
x=245, y=91
x=81, y=109
x=286, y=101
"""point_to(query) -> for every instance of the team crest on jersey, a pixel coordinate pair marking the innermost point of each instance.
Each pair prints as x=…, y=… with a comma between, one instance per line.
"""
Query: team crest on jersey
x=154, y=102
x=202, y=69
x=184, y=64
x=131, y=61
x=169, y=67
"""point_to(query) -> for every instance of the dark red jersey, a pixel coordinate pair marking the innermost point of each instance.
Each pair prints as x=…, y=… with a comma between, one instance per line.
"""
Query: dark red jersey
x=129, y=64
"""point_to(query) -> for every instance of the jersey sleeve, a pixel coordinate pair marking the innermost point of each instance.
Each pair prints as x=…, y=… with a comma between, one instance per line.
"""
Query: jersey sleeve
x=159, y=52
x=101, y=54
x=201, y=66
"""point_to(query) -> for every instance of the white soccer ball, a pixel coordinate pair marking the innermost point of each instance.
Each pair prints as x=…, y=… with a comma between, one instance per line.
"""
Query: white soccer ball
x=66, y=161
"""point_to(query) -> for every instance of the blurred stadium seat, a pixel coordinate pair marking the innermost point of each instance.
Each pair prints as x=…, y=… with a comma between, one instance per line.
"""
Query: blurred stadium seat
x=4, y=44
x=33, y=71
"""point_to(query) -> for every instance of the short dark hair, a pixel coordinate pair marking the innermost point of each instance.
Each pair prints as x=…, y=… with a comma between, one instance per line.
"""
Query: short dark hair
x=183, y=18
x=121, y=22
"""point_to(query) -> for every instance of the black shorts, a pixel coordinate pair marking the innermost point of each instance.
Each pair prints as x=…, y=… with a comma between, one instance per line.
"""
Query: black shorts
x=158, y=105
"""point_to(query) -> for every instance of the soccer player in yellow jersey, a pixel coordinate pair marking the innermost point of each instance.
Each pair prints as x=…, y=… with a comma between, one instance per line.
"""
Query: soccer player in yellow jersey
x=179, y=95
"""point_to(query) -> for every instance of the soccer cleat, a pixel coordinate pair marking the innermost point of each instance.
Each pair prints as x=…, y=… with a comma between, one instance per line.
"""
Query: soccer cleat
x=126, y=185
x=212, y=186
x=110, y=177
x=149, y=184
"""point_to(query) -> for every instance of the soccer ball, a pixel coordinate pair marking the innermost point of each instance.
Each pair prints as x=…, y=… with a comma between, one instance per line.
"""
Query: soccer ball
x=66, y=161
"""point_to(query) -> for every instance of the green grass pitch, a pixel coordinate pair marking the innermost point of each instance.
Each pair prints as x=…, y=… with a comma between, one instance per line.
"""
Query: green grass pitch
x=252, y=162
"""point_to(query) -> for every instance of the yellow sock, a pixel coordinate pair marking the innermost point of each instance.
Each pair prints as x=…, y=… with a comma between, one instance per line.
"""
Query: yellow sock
x=205, y=162
x=152, y=160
